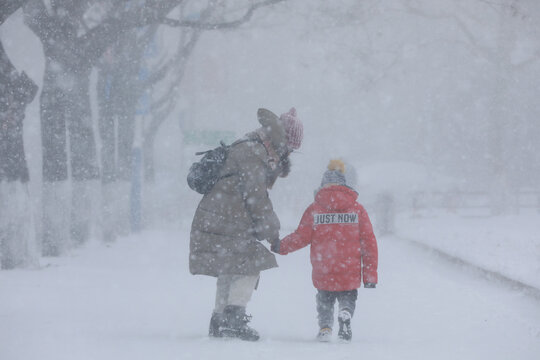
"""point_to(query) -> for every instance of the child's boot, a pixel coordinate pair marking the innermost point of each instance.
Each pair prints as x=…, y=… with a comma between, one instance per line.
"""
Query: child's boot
x=235, y=324
x=325, y=334
x=344, y=319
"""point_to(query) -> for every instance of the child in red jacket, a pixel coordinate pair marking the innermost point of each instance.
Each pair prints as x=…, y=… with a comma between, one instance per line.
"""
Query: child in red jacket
x=343, y=250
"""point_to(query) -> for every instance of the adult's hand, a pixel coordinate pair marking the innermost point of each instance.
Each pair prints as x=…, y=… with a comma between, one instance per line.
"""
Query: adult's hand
x=274, y=247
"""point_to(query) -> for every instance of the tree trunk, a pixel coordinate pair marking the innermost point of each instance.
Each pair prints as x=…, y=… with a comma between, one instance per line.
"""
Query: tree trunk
x=500, y=115
x=117, y=96
x=66, y=117
x=17, y=232
x=149, y=170
x=115, y=212
x=18, y=246
x=55, y=217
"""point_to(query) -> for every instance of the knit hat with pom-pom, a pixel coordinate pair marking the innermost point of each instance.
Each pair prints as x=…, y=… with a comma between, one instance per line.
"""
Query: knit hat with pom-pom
x=335, y=173
x=293, y=128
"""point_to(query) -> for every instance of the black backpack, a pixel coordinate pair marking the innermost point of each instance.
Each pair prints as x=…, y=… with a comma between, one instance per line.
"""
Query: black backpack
x=204, y=174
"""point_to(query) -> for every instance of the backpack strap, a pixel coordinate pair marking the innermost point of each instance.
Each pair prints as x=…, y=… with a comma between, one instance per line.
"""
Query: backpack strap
x=237, y=142
x=207, y=151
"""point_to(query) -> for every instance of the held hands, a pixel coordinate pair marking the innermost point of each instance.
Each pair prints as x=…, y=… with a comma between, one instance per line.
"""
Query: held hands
x=274, y=246
x=370, y=285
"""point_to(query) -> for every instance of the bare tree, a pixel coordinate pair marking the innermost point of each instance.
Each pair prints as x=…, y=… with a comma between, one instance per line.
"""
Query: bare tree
x=120, y=86
x=75, y=35
x=17, y=90
x=210, y=19
x=499, y=120
x=166, y=73
x=72, y=48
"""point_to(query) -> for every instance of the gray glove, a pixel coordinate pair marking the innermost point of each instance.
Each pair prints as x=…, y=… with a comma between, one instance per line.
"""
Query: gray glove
x=274, y=247
x=370, y=285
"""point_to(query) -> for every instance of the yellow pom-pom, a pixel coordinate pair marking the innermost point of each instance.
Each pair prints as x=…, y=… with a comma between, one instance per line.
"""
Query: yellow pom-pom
x=336, y=164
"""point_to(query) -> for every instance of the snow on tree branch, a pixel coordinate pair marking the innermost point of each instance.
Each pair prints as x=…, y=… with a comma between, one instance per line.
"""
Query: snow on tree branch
x=219, y=26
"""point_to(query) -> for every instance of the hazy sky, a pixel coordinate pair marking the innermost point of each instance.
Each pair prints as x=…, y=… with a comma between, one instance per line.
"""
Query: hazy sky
x=448, y=85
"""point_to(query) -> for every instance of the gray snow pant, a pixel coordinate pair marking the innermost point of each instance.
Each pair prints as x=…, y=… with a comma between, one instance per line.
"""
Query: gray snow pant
x=325, y=305
x=234, y=290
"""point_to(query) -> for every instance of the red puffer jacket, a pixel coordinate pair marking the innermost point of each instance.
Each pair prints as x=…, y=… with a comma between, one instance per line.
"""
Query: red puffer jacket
x=343, y=245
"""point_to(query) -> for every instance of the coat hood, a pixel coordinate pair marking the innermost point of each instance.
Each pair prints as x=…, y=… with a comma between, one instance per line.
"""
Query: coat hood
x=336, y=197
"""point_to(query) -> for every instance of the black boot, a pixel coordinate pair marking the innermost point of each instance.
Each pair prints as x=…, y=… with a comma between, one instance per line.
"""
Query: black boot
x=345, y=331
x=216, y=322
x=235, y=324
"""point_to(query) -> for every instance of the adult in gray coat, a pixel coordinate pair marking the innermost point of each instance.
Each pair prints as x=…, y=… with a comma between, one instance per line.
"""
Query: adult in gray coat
x=234, y=218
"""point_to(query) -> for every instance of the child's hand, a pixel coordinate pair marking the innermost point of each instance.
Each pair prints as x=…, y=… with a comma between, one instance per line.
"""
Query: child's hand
x=274, y=247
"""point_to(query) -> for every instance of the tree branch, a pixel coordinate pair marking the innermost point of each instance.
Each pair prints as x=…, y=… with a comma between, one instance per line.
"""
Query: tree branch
x=8, y=7
x=99, y=38
x=219, y=26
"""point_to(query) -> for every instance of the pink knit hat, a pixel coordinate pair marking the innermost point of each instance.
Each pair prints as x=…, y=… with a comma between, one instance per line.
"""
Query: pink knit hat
x=293, y=128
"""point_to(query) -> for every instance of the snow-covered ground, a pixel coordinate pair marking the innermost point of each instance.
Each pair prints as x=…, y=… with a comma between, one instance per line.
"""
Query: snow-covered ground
x=508, y=245
x=135, y=299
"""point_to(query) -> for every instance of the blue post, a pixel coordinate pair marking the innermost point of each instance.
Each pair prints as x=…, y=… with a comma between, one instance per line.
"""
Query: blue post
x=142, y=110
x=136, y=190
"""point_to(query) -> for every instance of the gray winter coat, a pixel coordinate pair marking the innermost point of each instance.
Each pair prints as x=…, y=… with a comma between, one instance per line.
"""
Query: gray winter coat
x=237, y=214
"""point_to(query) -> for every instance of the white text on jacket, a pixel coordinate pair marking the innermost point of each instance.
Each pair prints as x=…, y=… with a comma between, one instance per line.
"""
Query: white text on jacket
x=335, y=218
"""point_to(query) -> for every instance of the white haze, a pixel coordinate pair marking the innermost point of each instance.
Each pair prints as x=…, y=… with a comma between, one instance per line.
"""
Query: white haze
x=372, y=81
x=429, y=96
